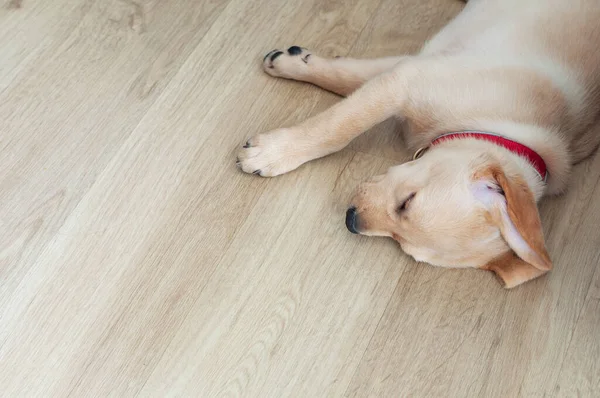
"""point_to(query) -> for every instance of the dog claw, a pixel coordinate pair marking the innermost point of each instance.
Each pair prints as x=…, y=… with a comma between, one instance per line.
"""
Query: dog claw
x=274, y=56
x=257, y=172
x=269, y=53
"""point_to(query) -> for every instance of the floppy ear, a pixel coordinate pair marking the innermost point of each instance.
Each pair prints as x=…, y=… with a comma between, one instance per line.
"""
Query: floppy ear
x=511, y=206
x=512, y=270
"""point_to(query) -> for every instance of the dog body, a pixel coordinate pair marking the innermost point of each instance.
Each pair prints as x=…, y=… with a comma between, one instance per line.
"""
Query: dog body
x=550, y=41
x=526, y=71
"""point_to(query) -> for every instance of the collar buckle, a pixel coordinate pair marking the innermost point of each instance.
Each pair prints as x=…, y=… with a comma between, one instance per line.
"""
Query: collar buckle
x=420, y=152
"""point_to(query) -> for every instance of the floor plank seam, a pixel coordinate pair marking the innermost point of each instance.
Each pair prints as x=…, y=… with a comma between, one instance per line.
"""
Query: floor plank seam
x=373, y=335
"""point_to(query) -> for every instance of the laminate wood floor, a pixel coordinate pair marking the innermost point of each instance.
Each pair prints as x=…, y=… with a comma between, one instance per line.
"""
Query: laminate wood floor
x=136, y=260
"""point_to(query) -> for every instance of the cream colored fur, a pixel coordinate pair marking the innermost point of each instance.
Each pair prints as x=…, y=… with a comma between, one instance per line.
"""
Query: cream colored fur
x=527, y=70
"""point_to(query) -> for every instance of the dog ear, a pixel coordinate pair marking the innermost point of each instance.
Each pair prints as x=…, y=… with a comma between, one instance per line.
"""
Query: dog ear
x=512, y=271
x=512, y=208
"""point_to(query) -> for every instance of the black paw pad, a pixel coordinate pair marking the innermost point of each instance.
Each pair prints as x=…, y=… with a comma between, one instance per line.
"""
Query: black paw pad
x=294, y=50
x=275, y=55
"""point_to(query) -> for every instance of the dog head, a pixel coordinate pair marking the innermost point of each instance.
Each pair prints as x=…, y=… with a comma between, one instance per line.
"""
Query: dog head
x=456, y=208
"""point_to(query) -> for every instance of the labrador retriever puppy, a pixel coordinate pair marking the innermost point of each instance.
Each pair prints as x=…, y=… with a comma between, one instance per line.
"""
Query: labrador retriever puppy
x=497, y=106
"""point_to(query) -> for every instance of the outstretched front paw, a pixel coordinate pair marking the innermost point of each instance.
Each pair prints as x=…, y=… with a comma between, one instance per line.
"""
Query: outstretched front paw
x=270, y=154
x=290, y=64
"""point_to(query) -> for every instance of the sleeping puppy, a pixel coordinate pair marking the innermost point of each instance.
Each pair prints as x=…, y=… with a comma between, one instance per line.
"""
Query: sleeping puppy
x=497, y=106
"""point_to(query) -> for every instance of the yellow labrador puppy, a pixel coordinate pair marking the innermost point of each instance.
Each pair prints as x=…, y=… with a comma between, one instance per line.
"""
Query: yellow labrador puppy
x=497, y=106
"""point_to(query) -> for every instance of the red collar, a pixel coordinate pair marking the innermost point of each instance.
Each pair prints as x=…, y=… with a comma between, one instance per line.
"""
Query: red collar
x=515, y=147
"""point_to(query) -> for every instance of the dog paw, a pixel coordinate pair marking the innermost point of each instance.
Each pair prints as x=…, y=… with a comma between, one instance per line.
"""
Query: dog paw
x=270, y=154
x=291, y=64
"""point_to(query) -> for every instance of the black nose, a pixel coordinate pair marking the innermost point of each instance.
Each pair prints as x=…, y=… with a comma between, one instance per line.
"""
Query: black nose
x=351, y=220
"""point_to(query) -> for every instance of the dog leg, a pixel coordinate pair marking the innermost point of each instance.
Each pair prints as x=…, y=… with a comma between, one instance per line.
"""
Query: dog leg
x=585, y=144
x=339, y=75
x=432, y=94
x=283, y=150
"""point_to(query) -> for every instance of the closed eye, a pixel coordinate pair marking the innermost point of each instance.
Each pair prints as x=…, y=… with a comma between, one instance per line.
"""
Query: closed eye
x=406, y=202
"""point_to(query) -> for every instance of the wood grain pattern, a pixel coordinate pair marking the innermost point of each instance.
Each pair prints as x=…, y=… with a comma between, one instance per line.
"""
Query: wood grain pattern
x=136, y=260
